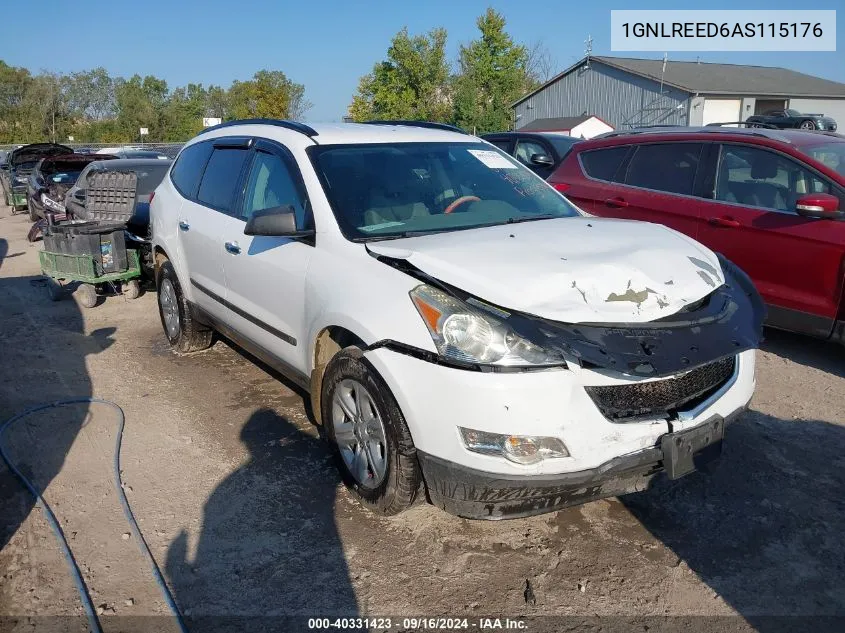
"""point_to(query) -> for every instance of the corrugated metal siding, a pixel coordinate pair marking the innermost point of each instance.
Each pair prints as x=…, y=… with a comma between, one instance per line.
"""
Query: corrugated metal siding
x=618, y=97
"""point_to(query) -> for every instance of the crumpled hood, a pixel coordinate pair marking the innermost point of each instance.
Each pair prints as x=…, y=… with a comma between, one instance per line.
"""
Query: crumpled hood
x=37, y=151
x=573, y=270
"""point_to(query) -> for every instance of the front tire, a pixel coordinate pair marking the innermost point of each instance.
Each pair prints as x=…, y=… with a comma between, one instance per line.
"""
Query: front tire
x=373, y=448
x=183, y=332
x=807, y=125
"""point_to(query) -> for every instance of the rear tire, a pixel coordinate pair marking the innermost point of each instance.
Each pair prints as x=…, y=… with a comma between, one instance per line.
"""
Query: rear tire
x=55, y=289
x=395, y=489
x=183, y=332
x=132, y=289
x=87, y=295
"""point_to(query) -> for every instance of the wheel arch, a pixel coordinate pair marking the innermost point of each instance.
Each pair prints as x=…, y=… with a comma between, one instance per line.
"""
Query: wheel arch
x=328, y=342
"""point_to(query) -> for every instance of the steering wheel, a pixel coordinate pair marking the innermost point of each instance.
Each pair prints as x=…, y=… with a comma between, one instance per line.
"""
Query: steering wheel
x=459, y=201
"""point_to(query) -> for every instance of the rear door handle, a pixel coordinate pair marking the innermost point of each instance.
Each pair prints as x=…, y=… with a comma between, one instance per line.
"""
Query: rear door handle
x=728, y=223
x=616, y=203
x=184, y=226
x=233, y=248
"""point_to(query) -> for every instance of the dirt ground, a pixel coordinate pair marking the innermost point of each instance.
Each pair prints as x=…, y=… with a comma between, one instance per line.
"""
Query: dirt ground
x=243, y=509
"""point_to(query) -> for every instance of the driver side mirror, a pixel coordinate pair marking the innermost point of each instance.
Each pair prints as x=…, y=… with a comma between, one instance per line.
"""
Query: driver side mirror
x=275, y=222
x=819, y=205
x=542, y=160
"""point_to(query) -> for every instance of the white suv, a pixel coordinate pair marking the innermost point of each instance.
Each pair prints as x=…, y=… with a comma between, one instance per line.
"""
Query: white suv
x=462, y=329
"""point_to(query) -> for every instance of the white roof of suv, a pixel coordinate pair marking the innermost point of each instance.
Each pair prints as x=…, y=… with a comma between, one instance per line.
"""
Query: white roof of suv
x=346, y=133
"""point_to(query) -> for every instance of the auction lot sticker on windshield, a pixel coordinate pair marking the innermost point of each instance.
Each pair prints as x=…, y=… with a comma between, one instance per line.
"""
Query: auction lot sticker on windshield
x=493, y=159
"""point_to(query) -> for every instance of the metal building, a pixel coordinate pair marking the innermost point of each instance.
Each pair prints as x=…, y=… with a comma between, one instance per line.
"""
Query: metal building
x=634, y=92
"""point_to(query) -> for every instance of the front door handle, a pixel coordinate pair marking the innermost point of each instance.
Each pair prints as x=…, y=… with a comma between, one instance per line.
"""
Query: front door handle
x=184, y=226
x=233, y=248
x=616, y=203
x=727, y=222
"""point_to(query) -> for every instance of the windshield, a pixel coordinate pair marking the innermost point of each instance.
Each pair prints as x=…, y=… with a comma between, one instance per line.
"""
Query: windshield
x=829, y=154
x=381, y=191
x=793, y=113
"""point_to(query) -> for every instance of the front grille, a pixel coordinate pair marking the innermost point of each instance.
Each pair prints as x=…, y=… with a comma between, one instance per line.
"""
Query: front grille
x=661, y=398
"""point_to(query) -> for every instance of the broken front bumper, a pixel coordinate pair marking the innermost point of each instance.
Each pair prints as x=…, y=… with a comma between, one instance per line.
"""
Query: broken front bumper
x=474, y=494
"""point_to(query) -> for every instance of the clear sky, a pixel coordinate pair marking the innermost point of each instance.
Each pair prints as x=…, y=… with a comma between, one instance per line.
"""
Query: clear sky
x=327, y=45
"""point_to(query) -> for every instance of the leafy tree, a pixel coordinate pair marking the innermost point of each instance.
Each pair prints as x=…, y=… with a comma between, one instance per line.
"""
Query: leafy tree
x=493, y=73
x=269, y=94
x=412, y=83
x=14, y=84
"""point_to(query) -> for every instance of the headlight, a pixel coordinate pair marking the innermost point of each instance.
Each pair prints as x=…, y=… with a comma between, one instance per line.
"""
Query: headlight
x=521, y=449
x=462, y=333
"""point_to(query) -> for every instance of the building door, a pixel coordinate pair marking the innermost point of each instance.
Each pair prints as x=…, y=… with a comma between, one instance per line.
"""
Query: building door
x=761, y=106
x=721, y=110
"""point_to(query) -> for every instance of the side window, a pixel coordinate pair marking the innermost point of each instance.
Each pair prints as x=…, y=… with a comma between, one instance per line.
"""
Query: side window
x=759, y=178
x=270, y=184
x=602, y=164
x=217, y=189
x=668, y=167
x=526, y=149
x=187, y=171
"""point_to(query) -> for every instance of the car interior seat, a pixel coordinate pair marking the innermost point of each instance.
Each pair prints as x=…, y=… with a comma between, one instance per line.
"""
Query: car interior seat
x=398, y=199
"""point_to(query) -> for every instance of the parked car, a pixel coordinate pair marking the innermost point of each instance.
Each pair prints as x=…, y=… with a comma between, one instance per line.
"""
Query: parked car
x=133, y=152
x=455, y=321
x=51, y=179
x=771, y=201
x=541, y=152
x=785, y=119
x=21, y=162
x=150, y=173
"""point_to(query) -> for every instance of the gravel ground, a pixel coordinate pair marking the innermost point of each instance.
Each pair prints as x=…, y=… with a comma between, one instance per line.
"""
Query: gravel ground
x=243, y=510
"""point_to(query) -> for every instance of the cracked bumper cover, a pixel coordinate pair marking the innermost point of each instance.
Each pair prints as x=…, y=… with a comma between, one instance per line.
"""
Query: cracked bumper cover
x=475, y=494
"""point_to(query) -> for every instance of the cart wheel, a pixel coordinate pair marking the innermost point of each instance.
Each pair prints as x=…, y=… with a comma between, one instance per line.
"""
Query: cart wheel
x=132, y=289
x=55, y=289
x=87, y=295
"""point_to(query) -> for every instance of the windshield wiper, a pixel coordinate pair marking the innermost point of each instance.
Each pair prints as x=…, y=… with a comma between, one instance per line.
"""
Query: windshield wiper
x=545, y=216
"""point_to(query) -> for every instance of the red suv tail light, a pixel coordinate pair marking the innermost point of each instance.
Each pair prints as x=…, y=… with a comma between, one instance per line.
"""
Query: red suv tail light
x=152, y=195
x=561, y=186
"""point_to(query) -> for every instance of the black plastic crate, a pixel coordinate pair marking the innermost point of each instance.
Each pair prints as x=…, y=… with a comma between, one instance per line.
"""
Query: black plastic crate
x=104, y=242
x=111, y=196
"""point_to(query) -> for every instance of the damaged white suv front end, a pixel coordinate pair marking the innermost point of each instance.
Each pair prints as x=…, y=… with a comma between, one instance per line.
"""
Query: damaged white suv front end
x=461, y=327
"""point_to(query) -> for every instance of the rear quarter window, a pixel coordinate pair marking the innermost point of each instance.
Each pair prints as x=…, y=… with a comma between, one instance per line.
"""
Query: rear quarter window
x=602, y=164
x=187, y=171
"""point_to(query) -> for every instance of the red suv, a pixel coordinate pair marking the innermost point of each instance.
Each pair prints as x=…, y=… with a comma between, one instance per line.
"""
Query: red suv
x=771, y=201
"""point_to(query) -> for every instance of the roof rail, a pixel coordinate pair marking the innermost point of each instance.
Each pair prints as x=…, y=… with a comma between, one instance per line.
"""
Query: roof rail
x=307, y=130
x=775, y=133
x=752, y=124
x=427, y=124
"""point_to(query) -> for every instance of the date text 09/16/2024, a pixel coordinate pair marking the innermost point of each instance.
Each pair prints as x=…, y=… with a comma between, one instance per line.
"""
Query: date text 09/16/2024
x=417, y=623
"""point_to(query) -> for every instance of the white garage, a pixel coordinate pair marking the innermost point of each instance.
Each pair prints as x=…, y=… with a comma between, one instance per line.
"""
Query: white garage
x=721, y=110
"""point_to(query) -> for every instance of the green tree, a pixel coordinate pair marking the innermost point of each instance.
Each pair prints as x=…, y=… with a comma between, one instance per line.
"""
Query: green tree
x=493, y=73
x=14, y=84
x=269, y=94
x=412, y=83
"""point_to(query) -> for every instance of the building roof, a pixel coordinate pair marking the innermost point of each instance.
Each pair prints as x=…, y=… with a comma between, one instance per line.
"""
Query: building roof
x=555, y=123
x=723, y=79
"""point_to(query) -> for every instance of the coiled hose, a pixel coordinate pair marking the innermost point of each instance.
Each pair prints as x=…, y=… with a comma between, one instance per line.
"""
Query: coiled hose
x=87, y=603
